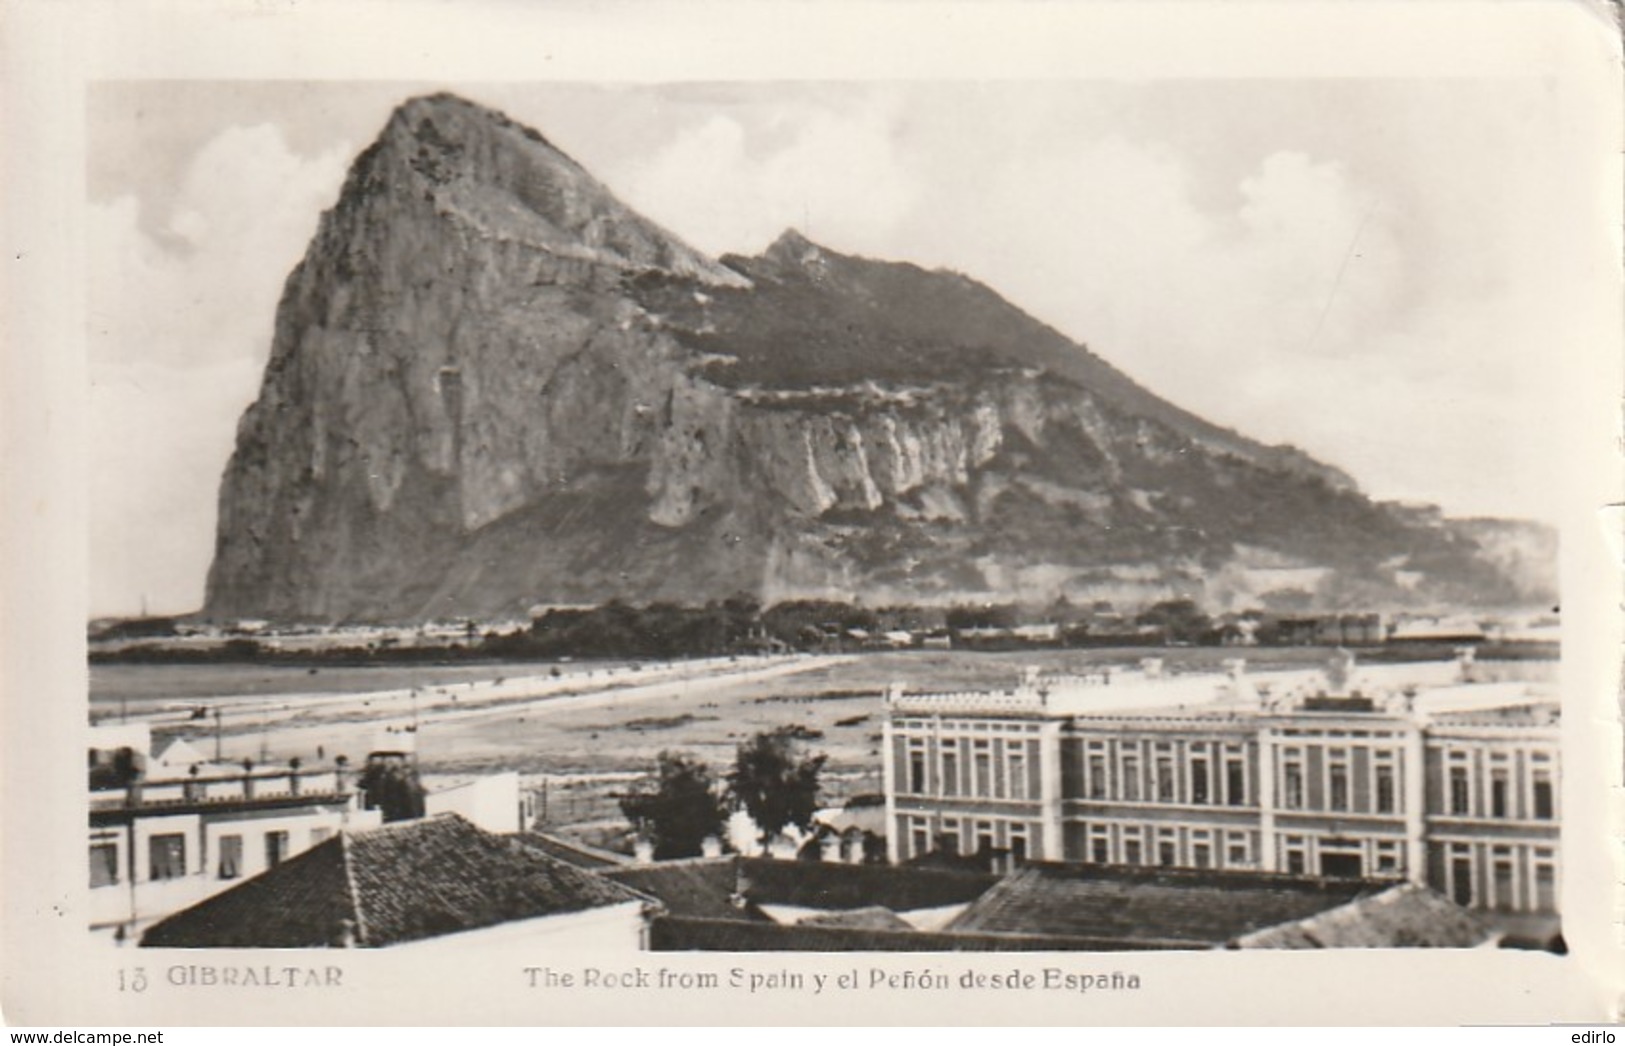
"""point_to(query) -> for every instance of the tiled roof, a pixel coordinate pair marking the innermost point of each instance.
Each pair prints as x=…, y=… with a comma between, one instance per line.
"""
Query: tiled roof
x=1158, y=907
x=943, y=861
x=1407, y=916
x=669, y=934
x=701, y=887
x=571, y=853
x=704, y=888
x=817, y=884
x=872, y=918
x=403, y=882
x=302, y=903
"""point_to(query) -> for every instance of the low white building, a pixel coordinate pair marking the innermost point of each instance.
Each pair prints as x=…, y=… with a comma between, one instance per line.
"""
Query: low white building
x=177, y=758
x=490, y=801
x=161, y=840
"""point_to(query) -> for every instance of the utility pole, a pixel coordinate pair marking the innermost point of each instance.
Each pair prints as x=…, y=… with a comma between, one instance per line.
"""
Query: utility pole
x=416, y=737
x=217, y=733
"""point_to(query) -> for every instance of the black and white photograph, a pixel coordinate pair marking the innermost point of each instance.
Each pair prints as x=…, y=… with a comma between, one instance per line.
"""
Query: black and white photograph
x=580, y=530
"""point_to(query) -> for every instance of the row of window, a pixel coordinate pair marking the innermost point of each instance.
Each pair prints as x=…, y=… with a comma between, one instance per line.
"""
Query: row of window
x=1508, y=879
x=975, y=767
x=1202, y=773
x=166, y=855
x=1503, y=877
x=1341, y=857
x=967, y=726
x=1169, y=847
x=1173, y=846
x=1497, y=794
x=1198, y=773
x=955, y=836
x=1336, y=789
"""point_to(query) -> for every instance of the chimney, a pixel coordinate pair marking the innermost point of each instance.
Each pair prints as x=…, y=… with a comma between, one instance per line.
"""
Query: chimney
x=740, y=898
x=829, y=848
x=1029, y=677
x=894, y=693
x=132, y=768
x=1152, y=667
x=643, y=850
x=711, y=846
x=1464, y=663
x=133, y=789
x=341, y=774
x=1339, y=673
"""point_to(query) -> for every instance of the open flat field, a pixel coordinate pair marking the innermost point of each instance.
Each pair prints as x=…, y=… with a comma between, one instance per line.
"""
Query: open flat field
x=591, y=717
x=588, y=727
x=921, y=669
x=143, y=685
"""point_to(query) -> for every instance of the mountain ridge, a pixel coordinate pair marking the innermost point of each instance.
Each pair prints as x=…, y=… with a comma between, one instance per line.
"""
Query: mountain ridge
x=493, y=384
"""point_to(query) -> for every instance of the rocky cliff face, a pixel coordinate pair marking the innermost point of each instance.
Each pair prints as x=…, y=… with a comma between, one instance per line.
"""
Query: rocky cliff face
x=493, y=385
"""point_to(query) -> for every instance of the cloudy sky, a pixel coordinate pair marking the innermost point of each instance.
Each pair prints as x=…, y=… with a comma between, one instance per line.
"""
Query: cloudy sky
x=1395, y=275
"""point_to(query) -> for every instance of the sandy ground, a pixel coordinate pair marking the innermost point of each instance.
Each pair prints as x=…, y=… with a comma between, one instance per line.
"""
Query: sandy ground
x=590, y=717
x=588, y=720
x=602, y=718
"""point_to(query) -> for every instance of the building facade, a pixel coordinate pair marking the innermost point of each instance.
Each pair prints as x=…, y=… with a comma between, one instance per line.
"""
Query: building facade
x=159, y=846
x=1331, y=785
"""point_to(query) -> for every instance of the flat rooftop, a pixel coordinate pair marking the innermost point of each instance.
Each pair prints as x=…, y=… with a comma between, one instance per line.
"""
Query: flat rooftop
x=1437, y=687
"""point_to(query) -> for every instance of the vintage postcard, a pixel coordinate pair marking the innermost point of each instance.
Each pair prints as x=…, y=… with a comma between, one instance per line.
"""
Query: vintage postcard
x=892, y=513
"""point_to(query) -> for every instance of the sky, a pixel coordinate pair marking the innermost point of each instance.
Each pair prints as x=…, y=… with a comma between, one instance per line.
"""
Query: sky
x=1390, y=274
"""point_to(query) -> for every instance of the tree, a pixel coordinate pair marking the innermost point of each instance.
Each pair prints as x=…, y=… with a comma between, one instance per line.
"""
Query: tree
x=391, y=784
x=676, y=807
x=775, y=783
x=1178, y=620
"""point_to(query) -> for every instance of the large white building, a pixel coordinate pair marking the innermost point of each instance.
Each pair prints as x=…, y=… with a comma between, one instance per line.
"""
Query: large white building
x=1401, y=772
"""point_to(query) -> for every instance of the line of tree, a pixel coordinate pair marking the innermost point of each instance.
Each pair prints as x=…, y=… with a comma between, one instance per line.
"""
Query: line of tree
x=681, y=804
x=740, y=626
x=659, y=630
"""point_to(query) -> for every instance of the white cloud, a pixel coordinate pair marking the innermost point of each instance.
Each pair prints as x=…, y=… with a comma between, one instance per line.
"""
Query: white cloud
x=181, y=313
x=204, y=285
x=1105, y=239
x=733, y=184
